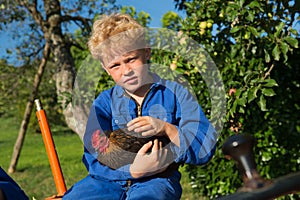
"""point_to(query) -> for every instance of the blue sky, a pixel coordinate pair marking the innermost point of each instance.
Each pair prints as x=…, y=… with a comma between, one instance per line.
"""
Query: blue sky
x=156, y=8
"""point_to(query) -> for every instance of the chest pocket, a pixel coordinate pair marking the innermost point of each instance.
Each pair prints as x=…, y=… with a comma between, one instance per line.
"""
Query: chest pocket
x=163, y=113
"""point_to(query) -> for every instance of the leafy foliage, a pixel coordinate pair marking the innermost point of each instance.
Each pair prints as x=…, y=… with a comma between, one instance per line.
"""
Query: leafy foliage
x=255, y=46
x=8, y=88
x=171, y=20
x=15, y=84
x=142, y=17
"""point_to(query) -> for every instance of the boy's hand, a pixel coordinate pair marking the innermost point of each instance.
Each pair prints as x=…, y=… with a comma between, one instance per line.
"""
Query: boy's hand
x=147, y=164
x=147, y=125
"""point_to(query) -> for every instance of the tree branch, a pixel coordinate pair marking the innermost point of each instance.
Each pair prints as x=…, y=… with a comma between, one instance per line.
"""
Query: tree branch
x=76, y=44
x=84, y=21
x=268, y=72
x=32, y=8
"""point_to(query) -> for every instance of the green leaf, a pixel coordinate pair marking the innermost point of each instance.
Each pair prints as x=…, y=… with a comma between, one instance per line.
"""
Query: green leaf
x=268, y=92
x=262, y=103
x=238, y=92
x=241, y=2
x=250, y=17
x=242, y=101
x=235, y=29
x=252, y=94
x=276, y=53
x=254, y=4
x=279, y=29
x=270, y=83
x=291, y=41
x=284, y=47
x=241, y=110
x=233, y=5
x=233, y=52
x=233, y=108
x=293, y=31
x=267, y=56
x=266, y=156
x=248, y=76
x=253, y=31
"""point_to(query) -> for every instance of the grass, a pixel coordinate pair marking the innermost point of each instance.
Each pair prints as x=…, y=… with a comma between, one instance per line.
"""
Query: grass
x=33, y=170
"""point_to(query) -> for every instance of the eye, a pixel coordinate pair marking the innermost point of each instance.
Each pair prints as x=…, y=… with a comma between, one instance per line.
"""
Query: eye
x=113, y=66
x=132, y=59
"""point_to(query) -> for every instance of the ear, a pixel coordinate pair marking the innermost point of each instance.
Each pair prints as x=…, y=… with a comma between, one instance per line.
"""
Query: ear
x=148, y=53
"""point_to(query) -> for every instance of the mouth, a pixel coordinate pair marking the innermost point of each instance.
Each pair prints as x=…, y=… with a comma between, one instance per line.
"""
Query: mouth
x=131, y=80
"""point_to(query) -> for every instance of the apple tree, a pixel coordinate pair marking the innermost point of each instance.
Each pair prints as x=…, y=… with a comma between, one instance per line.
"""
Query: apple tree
x=254, y=44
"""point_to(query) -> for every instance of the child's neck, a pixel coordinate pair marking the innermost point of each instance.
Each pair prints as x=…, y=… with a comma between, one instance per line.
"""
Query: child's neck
x=140, y=94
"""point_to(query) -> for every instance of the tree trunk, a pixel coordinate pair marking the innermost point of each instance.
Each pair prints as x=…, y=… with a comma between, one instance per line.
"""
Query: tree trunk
x=65, y=74
x=28, y=110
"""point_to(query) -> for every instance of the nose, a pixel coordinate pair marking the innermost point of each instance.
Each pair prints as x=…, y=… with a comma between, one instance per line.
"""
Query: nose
x=126, y=69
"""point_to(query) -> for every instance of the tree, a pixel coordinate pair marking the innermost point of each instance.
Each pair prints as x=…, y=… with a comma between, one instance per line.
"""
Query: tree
x=255, y=46
x=48, y=22
x=54, y=22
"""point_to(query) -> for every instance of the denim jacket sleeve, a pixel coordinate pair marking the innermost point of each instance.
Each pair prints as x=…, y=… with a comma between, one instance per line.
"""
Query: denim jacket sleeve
x=197, y=136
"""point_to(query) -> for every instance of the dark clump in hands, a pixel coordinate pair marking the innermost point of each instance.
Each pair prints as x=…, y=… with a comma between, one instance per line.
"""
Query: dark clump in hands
x=120, y=147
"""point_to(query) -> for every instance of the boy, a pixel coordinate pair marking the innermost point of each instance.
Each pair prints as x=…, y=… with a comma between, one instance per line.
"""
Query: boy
x=148, y=105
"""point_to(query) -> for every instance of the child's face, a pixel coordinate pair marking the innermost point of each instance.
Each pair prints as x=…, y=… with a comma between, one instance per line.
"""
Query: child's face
x=130, y=70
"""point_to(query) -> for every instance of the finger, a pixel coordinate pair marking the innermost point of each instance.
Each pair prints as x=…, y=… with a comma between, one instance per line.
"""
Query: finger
x=160, y=150
x=164, y=151
x=146, y=130
x=155, y=146
x=160, y=145
x=148, y=133
x=135, y=120
x=131, y=125
x=141, y=127
x=145, y=148
x=136, y=124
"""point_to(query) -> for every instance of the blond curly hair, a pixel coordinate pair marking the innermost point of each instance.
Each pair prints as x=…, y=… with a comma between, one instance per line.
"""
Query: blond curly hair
x=115, y=34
